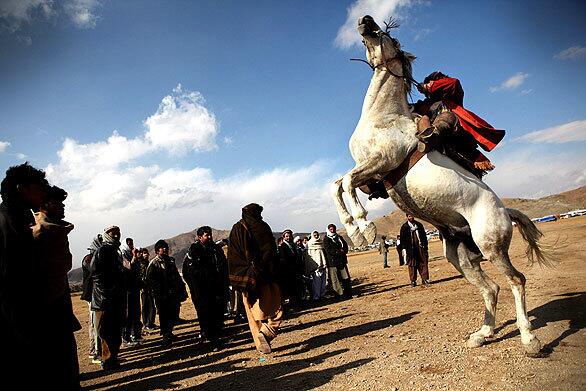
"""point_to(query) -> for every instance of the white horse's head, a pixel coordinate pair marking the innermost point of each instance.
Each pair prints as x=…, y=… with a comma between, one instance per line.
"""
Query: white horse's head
x=383, y=52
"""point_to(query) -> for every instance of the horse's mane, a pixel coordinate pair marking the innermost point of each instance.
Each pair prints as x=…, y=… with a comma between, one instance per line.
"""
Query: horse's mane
x=406, y=60
x=405, y=57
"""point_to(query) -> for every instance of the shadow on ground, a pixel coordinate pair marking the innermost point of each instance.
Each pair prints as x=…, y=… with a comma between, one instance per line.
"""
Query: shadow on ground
x=187, y=360
x=347, y=332
x=570, y=307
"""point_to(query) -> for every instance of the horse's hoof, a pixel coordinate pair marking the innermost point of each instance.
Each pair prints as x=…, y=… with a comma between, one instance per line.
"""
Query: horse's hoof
x=475, y=341
x=369, y=232
x=356, y=236
x=532, y=348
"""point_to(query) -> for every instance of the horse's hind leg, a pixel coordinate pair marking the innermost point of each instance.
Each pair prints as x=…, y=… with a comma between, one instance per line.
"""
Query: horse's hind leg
x=494, y=242
x=468, y=264
x=517, y=281
x=345, y=217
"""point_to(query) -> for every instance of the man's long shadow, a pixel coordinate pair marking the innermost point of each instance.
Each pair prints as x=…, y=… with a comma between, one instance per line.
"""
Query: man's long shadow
x=271, y=376
x=347, y=332
x=371, y=288
x=283, y=375
x=185, y=348
x=571, y=307
x=149, y=378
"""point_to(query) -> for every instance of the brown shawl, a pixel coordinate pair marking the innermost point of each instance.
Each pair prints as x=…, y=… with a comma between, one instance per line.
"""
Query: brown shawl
x=252, y=251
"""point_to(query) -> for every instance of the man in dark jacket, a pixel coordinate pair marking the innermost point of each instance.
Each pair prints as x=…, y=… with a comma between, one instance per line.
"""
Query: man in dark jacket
x=167, y=288
x=336, y=249
x=51, y=239
x=133, y=326
x=414, y=245
x=108, y=295
x=291, y=268
x=22, y=306
x=86, y=295
x=205, y=270
x=253, y=263
x=149, y=311
x=399, y=248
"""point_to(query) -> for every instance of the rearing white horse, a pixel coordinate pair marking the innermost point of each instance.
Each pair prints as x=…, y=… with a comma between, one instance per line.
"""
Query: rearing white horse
x=474, y=223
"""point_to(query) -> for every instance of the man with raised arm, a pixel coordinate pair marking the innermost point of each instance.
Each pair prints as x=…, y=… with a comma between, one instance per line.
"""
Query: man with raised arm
x=445, y=123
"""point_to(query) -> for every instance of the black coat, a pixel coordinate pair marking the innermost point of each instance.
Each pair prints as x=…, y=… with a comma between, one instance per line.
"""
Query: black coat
x=290, y=259
x=133, y=279
x=20, y=278
x=407, y=243
x=30, y=326
x=336, y=250
x=86, y=280
x=205, y=270
x=108, y=278
x=164, y=281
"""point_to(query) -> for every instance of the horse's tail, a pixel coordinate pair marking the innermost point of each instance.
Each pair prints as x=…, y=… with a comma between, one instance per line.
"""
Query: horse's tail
x=531, y=234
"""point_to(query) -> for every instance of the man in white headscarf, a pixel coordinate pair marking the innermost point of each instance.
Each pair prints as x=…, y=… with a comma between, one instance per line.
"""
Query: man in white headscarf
x=315, y=264
x=336, y=249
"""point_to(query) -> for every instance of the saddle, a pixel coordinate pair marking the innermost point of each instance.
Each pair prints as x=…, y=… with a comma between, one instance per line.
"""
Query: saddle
x=377, y=188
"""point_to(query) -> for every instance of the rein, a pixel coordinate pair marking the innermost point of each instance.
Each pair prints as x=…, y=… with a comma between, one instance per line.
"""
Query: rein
x=384, y=63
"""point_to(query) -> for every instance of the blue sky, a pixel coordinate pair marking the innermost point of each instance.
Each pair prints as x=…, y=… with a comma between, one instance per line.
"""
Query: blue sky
x=216, y=104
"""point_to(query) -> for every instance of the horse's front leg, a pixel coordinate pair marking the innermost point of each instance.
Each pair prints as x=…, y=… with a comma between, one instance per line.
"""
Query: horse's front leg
x=345, y=217
x=357, y=177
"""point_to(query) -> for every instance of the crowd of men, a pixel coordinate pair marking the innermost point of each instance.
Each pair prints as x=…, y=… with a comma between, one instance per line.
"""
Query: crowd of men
x=257, y=279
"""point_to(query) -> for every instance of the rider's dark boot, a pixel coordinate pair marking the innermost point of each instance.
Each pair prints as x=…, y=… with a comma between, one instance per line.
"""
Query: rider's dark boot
x=428, y=139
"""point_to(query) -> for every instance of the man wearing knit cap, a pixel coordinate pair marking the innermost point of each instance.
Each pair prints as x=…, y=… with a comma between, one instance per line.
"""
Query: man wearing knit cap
x=108, y=295
x=252, y=261
x=168, y=290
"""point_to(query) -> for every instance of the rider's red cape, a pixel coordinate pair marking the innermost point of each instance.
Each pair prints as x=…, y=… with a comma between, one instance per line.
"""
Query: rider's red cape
x=449, y=90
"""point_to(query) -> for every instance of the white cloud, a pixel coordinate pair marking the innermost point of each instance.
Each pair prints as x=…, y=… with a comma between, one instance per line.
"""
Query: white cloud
x=21, y=156
x=511, y=83
x=15, y=13
x=571, y=53
x=564, y=133
x=422, y=33
x=149, y=203
x=182, y=123
x=529, y=174
x=3, y=146
x=380, y=10
x=83, y=13
x=85, y=161
x=107, y=175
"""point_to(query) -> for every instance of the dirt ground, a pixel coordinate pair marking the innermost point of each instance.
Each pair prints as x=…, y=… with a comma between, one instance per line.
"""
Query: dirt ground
x=391, y=336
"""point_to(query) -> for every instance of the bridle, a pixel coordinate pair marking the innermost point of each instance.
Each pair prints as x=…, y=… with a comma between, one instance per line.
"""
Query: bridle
x=400, y=57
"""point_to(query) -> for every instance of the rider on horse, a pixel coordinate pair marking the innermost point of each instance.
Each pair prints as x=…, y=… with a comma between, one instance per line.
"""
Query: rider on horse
x=446, y=125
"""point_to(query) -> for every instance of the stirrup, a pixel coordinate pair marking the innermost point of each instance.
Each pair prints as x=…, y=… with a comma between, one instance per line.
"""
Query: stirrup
x=423, y=147
x=428, y=133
